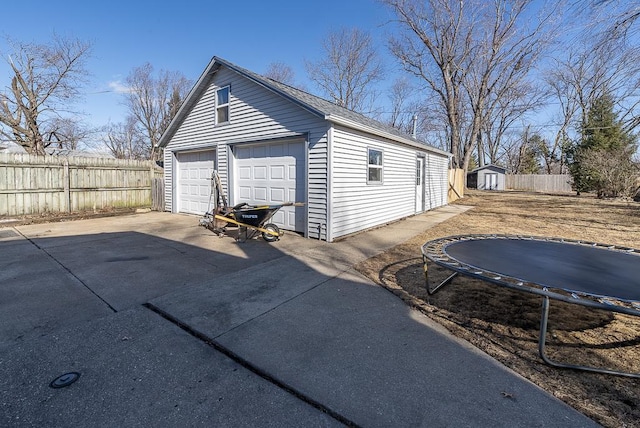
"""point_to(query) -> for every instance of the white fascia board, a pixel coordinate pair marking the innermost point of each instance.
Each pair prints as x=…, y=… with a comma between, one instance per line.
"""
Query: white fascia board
x=368, y=129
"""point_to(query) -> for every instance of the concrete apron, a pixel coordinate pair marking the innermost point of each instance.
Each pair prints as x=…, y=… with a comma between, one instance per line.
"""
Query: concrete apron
x=243, y=335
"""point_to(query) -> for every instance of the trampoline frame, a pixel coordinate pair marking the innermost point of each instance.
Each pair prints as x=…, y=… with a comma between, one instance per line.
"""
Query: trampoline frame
x=435, y=251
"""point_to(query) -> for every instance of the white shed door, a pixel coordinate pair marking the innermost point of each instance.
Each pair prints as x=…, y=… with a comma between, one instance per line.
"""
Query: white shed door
x=419, y=185
x=271, y=174
x=194, y=181
x=491, y=181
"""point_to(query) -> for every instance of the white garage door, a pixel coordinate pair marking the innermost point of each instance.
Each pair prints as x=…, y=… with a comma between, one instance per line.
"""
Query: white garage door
x=194, y=181
x=272, y=173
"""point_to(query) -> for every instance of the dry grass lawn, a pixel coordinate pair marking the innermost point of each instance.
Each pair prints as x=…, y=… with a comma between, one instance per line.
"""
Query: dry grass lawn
x=505, y=323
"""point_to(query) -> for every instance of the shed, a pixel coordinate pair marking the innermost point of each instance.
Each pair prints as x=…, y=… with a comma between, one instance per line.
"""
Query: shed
x=488, y=177
x=272, y=143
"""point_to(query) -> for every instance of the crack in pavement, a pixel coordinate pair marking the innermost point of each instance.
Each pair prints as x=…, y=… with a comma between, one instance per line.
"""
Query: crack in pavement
x=247, y=365
x=85, y=285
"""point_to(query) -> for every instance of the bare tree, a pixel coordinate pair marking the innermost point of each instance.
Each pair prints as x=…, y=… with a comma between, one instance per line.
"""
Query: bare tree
x=153, y=102
x=433, y=48
x=596, y=66
x=470, y=54
x=46, y=81
x=401, y=114
x=619, y=17
x=408, y=114
x=498, y=84
x=124, y=141
x=521, y=154
x=349, y=69
x=558, y=79
x=594, y=69
x=69, y=134
x=503, y=111
x=281, y=72
x=616, y=173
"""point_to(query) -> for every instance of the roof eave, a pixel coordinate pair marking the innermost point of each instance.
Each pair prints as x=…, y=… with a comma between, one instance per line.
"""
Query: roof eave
x=488, y=166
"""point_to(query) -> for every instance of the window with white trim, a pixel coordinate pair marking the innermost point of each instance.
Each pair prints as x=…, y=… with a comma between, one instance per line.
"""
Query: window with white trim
x=374, y=167
x=222, y=105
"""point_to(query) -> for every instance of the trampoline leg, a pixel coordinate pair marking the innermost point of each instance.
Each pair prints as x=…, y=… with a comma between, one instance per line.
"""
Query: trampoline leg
x=544, y=319
x=430, y=290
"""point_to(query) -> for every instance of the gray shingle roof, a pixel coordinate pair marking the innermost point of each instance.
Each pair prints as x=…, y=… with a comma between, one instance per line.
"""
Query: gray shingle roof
x=490, y=166
x=316, y=105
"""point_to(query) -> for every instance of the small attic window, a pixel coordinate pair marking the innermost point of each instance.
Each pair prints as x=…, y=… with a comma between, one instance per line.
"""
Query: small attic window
x=222, y=105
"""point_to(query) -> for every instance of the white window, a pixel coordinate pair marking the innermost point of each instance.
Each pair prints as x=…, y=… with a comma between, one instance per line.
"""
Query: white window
x=222, y=105
x=374, y=170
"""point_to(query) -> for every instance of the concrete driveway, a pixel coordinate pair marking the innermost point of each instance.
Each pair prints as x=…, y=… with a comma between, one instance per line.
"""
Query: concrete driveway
x=170, y=325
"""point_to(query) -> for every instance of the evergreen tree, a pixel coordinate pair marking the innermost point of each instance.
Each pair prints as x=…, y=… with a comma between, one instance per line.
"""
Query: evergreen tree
x=530, y=157
x=602, y=130
x=602, y=133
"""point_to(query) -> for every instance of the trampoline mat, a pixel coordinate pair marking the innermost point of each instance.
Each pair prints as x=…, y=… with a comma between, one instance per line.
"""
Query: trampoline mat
x=578, y=268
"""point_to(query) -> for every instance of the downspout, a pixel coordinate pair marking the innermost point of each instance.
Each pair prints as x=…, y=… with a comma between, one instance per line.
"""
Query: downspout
x=329, y=226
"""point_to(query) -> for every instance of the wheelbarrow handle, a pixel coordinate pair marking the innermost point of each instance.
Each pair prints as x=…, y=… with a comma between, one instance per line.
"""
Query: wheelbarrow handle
x=293, y=204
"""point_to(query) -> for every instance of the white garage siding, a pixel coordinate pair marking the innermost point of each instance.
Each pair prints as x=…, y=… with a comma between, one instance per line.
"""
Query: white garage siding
x=194, y=181
x=256, y=114
x=357, y=205
x=273, y=173
x=168, y=180
x=437, y=180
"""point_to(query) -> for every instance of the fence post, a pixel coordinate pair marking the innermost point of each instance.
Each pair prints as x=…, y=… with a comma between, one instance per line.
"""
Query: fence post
x=151, y=180
x=66, y=179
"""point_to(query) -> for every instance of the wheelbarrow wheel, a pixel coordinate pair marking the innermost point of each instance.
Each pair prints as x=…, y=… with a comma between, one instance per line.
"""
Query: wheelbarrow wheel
x=271, y=228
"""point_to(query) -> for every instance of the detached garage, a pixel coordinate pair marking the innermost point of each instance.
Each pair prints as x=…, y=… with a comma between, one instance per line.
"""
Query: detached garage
x=271, y=143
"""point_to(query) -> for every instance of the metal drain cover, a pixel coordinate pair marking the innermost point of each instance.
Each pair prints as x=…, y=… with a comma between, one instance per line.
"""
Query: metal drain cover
x=64, y=380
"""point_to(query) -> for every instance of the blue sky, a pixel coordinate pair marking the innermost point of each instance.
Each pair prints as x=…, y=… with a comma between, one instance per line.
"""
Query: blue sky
x=184, y=36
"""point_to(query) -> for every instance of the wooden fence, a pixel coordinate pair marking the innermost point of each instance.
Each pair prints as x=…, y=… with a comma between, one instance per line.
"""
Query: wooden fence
x=37, y=184
x=157, y=194
x=539, y=182
x=456, y=184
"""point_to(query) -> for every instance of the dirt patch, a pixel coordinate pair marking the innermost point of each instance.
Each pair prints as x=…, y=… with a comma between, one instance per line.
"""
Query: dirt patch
x=505, y=323
x=51, y=217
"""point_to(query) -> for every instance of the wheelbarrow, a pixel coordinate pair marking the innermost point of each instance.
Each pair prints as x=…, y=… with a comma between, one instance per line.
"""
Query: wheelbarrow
x=250, y=220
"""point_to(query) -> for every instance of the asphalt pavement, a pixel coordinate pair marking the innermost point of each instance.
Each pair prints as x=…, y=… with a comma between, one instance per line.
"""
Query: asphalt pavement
x=169, y=325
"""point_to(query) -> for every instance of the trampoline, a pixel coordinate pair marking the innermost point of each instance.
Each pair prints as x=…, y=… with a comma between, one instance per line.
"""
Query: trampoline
x=584, y=273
